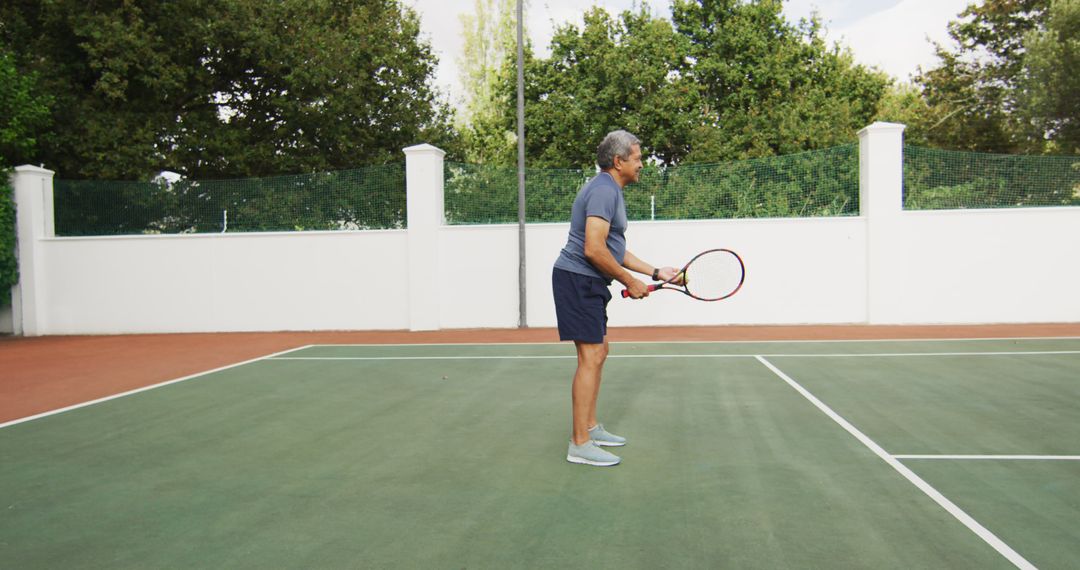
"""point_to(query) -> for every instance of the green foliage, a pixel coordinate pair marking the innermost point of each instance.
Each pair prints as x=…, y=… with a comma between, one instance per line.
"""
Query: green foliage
x=810, y=184
x=769, y=87
x=23, y=110
x=721, y=81
x=903, y=103
x=489, y=53
x=998, y=90
x=230, y=88
x=610, y=74
x=9, y=266
x=489, y=38
x=487, y=194
x=365, y=198
x=1049, y=98
x=936, y=179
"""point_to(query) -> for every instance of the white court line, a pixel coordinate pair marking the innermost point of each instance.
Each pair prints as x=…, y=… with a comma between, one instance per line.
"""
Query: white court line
x=768, y=341
x=974, y=353
x=279, y=356
x=143, y=389
x=982, y=532
x=507, y=357
x=617, y=356
x=995, y=457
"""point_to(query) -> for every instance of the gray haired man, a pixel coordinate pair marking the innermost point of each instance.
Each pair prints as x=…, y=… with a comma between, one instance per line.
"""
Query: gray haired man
x=594, y=255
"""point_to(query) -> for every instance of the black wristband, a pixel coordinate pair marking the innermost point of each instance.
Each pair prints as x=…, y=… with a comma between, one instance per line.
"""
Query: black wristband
x=656, y=274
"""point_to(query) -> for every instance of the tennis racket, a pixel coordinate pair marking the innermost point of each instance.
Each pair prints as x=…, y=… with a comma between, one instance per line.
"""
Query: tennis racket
x=710, y=276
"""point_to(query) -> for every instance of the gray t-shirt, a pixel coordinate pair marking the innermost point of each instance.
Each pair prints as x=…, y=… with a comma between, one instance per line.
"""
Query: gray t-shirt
x=601, y=197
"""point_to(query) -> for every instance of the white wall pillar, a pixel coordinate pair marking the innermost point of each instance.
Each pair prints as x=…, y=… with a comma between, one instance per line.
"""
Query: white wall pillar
x=424, y=204
x=881, y=202
x=33, y=193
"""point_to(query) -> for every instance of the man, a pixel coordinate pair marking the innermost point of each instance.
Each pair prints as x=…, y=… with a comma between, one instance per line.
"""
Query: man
x=595, y=253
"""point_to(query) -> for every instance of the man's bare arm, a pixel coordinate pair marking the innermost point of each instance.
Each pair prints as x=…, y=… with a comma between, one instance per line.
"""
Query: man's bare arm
x=596, y=252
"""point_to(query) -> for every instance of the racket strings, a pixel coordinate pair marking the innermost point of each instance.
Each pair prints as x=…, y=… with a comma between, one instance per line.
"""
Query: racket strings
x=714, y=275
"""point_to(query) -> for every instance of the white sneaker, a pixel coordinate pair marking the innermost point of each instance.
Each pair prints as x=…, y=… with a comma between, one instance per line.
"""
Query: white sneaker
x=600, y=436
x=589, y=453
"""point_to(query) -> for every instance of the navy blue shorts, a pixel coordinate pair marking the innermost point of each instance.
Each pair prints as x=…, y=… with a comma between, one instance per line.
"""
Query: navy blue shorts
x=580, y=306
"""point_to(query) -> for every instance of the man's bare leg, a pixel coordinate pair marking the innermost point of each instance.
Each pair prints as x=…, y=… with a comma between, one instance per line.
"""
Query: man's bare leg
x=596, y=395
x=586, y=389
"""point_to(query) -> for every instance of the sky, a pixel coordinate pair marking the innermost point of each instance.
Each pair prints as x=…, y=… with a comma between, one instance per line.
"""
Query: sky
x=894, y=35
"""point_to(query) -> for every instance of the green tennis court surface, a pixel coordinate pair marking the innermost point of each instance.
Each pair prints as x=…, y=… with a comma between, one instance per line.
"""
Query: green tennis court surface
x=915, y=454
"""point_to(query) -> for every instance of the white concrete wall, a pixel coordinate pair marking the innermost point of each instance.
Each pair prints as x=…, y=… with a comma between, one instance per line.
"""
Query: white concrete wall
x=32, y=191
x=886, y=266
x=229, y=282
x=797, y=271
x=984, y=266
x=426, y=215
x=478, y=276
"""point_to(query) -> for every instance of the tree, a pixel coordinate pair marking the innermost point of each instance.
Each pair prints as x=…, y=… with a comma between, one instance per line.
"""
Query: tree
x=609, y=74
x=770, y=87
x=1049, y=98
x=226, y=88
x=722, y=80
x=23, y=110
x=903, y=103
x=973, y=93
x=9, y=264
x=1008, y=88
x=489, y=54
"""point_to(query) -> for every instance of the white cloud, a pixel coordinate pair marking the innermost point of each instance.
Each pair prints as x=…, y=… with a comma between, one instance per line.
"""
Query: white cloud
x=901, y=38
x=440, y=24
x=836, y=13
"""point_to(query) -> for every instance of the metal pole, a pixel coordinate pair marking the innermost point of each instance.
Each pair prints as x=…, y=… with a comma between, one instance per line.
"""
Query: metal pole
x=522, y=320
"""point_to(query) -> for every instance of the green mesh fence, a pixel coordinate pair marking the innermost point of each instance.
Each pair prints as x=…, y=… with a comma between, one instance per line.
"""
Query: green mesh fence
x=941, y=179
x=365, y=198
x=810, y=184
x=477, y=194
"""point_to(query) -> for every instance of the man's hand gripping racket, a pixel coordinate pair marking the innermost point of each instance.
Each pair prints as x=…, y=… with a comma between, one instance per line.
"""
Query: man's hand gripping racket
x=710, y=276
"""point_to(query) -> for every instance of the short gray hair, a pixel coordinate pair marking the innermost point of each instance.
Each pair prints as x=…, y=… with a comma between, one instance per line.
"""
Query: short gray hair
x=616, y=143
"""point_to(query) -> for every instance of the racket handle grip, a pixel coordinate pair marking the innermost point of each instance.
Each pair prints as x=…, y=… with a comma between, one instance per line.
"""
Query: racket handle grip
x=626, y=293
